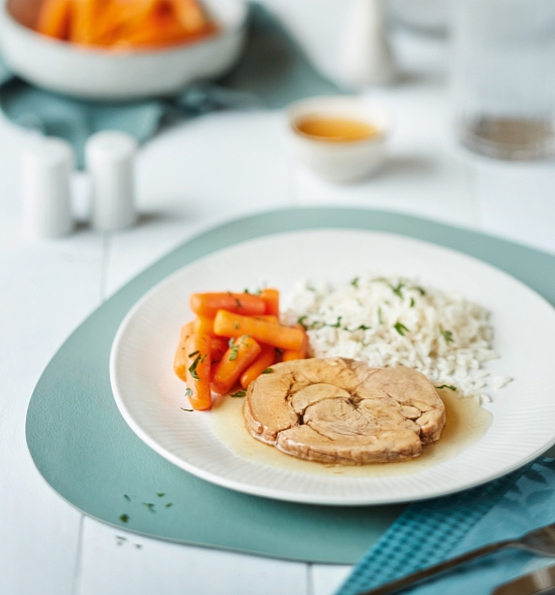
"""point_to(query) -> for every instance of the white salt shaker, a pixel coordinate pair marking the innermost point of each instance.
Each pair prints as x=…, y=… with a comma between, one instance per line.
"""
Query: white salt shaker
x=109, y=157
x=47, y=167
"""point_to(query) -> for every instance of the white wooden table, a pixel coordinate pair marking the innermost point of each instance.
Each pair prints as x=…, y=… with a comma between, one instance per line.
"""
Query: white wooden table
x=194, y=176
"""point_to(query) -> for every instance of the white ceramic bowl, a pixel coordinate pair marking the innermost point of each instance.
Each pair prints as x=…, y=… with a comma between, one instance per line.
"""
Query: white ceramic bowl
x=347, y=161
x=101, y=74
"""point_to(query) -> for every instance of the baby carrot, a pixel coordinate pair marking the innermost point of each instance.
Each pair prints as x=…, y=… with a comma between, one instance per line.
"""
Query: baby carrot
x=180, y=361
x=198, y=370
x=266, y=358
x=268, y=318
x=270, y=297
x=204, y=324
x=235, y=325
x=54, y=17
x=218, y=346
x=240, y=355
x=207, y=304
x=291, y=354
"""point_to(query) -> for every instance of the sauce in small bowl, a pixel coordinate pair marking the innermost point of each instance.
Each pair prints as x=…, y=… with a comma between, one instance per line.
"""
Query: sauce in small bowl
x=336, y=129
x=340, y=138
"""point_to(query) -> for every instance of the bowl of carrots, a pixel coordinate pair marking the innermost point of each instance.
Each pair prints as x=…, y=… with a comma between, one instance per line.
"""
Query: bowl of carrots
x=117, y=50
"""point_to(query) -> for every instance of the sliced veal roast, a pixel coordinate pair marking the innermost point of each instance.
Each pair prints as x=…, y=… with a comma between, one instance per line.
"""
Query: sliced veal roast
x=341, y=411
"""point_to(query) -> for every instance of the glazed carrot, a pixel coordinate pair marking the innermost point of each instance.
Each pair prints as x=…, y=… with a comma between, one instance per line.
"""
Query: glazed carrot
x=180, y=360
x=291, y=354
x=197, y=353
x=85, y=14
x=270, y=297
x=266, y=358
x=207, y=304
x=268, y=318
x=240, y=355
x=189, y=15
x=204, y=324
x=54, y=18
x=218, y=346
x=235, y=325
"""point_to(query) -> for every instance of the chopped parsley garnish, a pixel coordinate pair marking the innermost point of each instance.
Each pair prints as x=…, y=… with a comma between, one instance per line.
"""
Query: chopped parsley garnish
x=449, y=386
x=412, y=302
x=193, y=368
x=246, y=291
x=239, y=304
x=160, y=494
x=188, y=392
x=337, y=323
x=420, y=290
x=194, y=353
x=239, y=393
x=236, y=326
x=355, y=281
x=401, y=328
x=187, y=410
x=127, y=497
x=169, y=504
x=233, y=355
x=149, y=505
x=301, y=322
x=447, y=335
x=380, y=316
x=203, y=358
x=397, y=290
x=231, y=341
x=124, y=518
x=267, y=371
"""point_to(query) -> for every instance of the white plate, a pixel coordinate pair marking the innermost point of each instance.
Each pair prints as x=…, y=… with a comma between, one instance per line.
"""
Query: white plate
x=149, y=396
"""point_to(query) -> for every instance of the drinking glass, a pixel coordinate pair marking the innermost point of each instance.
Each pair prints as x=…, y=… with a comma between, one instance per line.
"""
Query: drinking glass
x=503, y=73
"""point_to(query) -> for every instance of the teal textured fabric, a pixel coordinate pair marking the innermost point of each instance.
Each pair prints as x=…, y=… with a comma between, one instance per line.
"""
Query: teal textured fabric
x=272, y=73
x=430, y=532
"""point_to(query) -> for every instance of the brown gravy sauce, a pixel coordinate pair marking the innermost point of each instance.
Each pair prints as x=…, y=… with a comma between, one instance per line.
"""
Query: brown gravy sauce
x=466, y=423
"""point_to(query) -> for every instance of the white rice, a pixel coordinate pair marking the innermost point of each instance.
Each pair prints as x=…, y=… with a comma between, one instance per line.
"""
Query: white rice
x=395, y=321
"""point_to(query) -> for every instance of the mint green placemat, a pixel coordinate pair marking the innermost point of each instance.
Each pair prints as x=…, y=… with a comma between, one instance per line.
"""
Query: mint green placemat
x=86, y=452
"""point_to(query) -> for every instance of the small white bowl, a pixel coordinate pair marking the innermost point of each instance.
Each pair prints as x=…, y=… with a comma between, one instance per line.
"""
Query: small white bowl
x=101, y=74
x=338, y=161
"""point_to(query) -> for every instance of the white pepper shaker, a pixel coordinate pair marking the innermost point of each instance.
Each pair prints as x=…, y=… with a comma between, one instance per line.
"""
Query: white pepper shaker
x=109, y=157
x=47, y=167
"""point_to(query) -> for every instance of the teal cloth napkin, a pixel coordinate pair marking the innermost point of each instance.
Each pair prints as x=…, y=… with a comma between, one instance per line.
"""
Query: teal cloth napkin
x=432, y=531
x=272, y=73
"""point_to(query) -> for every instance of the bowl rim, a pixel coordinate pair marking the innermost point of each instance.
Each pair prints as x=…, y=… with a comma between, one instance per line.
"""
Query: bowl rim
x=105, y=52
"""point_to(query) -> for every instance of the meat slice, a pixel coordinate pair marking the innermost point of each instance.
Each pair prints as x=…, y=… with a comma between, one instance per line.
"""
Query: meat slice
x=342, y=411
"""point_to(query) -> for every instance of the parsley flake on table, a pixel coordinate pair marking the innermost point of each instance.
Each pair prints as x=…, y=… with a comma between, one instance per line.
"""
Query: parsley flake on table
x=239, y=393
